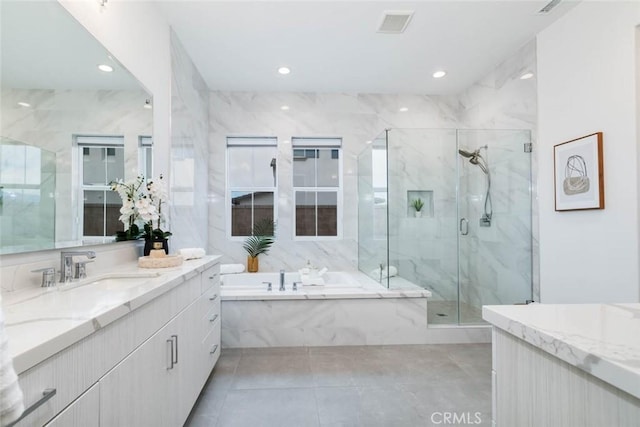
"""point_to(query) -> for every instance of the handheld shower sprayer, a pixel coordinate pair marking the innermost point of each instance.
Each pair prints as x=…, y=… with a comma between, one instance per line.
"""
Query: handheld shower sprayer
x=475, y=158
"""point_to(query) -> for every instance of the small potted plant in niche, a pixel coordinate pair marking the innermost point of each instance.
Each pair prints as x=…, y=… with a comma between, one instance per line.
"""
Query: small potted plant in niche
x=260, y=241
x=418, y=204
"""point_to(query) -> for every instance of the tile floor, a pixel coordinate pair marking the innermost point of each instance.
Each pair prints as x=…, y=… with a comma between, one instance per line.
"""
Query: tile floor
x=391, y=386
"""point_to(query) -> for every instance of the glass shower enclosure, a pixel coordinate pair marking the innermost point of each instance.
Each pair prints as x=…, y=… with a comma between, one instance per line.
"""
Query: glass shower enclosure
x=448, y=211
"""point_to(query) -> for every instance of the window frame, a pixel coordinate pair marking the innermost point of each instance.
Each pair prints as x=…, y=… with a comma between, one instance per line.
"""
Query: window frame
x=319, y=143
x=145, y=142
x=244, y=141
x=79, y=143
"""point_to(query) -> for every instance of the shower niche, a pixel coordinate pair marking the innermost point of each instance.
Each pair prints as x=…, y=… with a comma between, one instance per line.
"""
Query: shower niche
x=423, y=198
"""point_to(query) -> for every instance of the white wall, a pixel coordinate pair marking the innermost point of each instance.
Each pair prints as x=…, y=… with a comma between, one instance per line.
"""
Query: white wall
x=586, y=83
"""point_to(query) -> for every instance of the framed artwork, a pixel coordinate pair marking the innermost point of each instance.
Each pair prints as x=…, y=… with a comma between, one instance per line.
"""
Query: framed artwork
x=579, y=173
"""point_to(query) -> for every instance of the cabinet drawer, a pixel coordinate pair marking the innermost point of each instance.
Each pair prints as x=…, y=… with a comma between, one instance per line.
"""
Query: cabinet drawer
x=83, y=412
x=211, y=346
x=210, y=277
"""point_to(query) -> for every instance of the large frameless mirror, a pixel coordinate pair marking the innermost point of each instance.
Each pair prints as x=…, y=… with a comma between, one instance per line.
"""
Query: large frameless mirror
x=72, y=119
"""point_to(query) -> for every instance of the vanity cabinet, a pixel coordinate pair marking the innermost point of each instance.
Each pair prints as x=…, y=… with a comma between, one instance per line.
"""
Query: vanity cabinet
x=84, y=411
x=146, y=368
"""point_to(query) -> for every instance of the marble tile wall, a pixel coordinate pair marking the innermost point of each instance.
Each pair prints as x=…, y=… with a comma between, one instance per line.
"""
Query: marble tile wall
x=56, y=115
x=356, y=118
x=189, y=151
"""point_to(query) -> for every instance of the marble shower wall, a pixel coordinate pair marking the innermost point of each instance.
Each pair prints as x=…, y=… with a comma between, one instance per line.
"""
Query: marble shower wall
x=356, y=118
x=422, y=164
x=502, y=100
x=56, y=115
x=189, y=151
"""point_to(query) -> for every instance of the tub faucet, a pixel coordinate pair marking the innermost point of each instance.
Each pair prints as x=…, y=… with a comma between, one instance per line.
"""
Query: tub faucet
x=66, y=263
x=281, y=280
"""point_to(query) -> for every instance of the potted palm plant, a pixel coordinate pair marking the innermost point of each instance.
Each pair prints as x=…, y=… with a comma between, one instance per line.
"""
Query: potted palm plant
x=260, y=241
x=418, y=204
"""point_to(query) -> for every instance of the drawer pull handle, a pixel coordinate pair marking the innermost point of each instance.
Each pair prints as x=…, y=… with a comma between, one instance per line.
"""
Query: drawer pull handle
x=213, y=319
x=215, y=348
x=46, y=395
x=170, y=341
x=176, y=337
x=213, y=298
x=213, y=277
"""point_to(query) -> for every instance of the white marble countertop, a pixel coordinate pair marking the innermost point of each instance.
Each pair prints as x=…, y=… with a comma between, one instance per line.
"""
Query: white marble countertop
x=43, y=321
x=601, y=339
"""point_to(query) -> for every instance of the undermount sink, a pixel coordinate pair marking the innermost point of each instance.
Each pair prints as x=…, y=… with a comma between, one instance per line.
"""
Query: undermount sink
x=114, y=281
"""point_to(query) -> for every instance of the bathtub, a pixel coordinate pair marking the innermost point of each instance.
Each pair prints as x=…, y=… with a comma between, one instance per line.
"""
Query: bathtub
x=350, y=309
x=337, y=285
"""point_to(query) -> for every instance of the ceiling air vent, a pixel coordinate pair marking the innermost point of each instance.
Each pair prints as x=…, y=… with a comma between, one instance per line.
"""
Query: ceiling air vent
x=395, y=22
x=550, y=6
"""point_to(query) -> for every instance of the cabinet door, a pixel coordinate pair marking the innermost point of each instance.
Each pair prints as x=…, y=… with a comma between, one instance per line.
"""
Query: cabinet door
x=137, y=391
x=83, y=412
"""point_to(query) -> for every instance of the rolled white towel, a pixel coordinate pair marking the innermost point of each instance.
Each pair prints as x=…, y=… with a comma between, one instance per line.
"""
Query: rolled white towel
x=11, y=399
x=391, y=271
x=231, y=268
x=192, y=253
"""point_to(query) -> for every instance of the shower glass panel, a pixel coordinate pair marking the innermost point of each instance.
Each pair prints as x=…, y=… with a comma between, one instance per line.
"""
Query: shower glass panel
x=495, y=247
x=373, y=253
x=423, y=246
x=27, y=202
x=469, y=243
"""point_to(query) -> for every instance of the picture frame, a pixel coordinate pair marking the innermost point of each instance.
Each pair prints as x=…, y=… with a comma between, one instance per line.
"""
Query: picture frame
x=579, y=174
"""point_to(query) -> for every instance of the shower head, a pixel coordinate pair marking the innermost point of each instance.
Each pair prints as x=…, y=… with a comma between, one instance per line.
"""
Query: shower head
x=475, y=158
x=467, y=154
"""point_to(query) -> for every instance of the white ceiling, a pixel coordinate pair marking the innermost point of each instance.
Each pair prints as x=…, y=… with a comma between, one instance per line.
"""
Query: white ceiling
x=333, y=46
x=44, y=47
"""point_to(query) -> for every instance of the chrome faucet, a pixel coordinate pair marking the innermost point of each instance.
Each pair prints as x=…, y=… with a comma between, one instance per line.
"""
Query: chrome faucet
x=66, y=263
x=281, y=280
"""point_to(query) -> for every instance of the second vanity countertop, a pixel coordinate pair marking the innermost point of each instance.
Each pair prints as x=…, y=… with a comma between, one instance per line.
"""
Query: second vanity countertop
x=601, y=339
x=41, y=322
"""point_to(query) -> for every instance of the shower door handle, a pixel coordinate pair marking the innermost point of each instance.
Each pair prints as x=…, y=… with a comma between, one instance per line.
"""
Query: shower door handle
x=464, y=226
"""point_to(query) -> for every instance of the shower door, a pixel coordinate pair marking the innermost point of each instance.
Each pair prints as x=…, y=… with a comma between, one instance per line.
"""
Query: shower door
x=494, y=220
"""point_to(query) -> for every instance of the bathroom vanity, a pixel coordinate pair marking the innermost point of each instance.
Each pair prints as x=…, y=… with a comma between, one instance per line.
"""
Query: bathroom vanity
x=565, y=365
x=128, y=348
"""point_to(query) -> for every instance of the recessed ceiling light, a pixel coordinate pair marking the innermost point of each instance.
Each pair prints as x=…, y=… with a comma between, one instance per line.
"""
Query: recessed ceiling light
x=106, y=68
x=526, y=76
x=284, y=107
x=403, y=109
x=284, y=70
x=24, y=104
x=147, y=104
x=439, y=74
x=369, y=142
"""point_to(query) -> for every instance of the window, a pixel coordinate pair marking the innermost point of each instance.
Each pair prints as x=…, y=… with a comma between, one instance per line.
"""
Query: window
x=317, y=170
x=145, y=156
x=251, y=182
x=101, y=160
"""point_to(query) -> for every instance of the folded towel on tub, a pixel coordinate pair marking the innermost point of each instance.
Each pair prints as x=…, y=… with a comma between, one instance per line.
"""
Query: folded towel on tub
x=11, y=399
x=231, y=268
x=192, y=253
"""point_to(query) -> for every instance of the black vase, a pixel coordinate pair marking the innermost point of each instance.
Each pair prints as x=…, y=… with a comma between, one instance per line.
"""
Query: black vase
x=149, y=243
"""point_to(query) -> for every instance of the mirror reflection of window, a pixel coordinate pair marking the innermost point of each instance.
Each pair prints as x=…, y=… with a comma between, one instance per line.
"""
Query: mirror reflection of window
x=145, y=155
x=101, y=161
x=251, y=182
x=317, y=186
